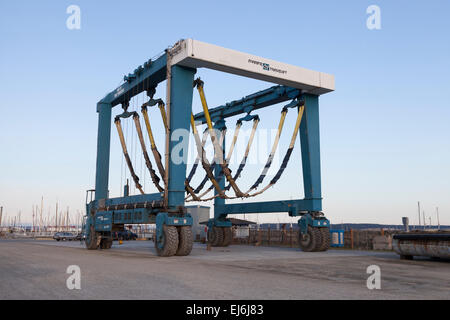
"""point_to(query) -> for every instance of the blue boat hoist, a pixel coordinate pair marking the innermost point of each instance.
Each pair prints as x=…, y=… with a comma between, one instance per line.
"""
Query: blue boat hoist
x=299, y=87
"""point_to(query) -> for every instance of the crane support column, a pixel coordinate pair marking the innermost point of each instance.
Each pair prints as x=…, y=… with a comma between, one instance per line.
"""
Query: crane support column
x=103, y=150
x=180, y=116
x=173, y=228
x=219, y=126
x=314, y=227
x=310, y=146
x=219, y=228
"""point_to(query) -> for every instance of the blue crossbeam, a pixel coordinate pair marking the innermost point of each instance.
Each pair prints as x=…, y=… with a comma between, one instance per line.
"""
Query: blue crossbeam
x=139, y=198
x=144, y=78
x=294, y=207
x=254, y=101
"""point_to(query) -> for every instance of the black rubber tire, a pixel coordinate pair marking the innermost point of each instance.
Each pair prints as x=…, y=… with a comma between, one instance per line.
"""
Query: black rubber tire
x=406, y=257
x=185, y=242
x=227, y=236
x=311, y=241
x=325, y=239
x=215, y=236
x=92, y=241
x=318, y=235
x=170, y=240
x=106, y=243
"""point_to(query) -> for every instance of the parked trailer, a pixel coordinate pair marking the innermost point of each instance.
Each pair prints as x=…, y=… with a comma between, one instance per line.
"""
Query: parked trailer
x=435, y=245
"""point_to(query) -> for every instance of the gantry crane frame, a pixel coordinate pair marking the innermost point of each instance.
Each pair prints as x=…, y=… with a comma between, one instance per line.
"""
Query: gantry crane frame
x=178, y=64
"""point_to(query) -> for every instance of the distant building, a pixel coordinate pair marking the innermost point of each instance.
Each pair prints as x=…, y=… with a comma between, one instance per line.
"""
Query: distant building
x=199, y=215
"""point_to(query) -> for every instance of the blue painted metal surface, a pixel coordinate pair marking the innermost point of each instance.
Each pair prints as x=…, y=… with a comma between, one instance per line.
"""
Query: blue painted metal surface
x=293, y=207
x=103, y=221
x=219, y=125
x=103, y=150
x=131, y=216
x=149, y=76
x=139, y=198
x=251, y=102
x=310, y=144
x=180, y=117
x=337, y=238
x=308, y=220
x=219, y=222
x=163, y=218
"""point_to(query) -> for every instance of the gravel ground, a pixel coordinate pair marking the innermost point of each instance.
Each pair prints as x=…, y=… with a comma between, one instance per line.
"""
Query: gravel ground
x=37, y=270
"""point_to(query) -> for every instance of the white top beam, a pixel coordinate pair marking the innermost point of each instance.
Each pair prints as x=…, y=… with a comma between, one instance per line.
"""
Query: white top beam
x=196, y=54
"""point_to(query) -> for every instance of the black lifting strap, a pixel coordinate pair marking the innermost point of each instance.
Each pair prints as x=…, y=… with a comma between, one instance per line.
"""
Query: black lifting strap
x=124, y=148
x=230, y=152
x=217, y=149
x=197, y=159
x=220, y=176
x=211, y=167
x=272, y=153
x=247, y=151
x=148, y=163
x=287, y=156
x=154, y=149
x=205, y=163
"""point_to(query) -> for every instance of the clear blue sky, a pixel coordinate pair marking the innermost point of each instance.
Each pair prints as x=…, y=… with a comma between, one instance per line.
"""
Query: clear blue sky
x=385, y=130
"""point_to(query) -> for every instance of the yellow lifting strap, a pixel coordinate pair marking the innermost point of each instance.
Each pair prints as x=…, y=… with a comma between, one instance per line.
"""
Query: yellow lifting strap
x=272, y=152
x=161, y=106
x=148, y=163
x=233, y=143
x=230, y=153
x=247, y=149
x=274, y=147
x=288, y=153
x=206, y=178
x=189, y=189
x=197, y=159
x=205, y=163
x=127, y=157
x=217, y=148
x=155, y=152
x=241, y=165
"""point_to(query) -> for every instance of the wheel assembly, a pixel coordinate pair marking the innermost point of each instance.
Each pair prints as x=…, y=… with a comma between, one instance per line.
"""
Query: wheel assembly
x=167, y=244
x=227, y=236
x=106, y=243
x=185, y=241
x=311, y=240
x=93, y=239
x=325, y=239
x=216, y=236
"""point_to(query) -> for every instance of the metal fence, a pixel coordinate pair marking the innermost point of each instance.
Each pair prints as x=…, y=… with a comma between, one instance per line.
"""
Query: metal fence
x=268, y=237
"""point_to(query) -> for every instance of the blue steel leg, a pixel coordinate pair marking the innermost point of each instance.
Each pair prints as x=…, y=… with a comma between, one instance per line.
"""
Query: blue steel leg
x=219, y=219
x=310, y=146
x=102, y=172
x=180, y=116
x=314, y=227
x=103, y=150
x=219, y=126
x=180, y=119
